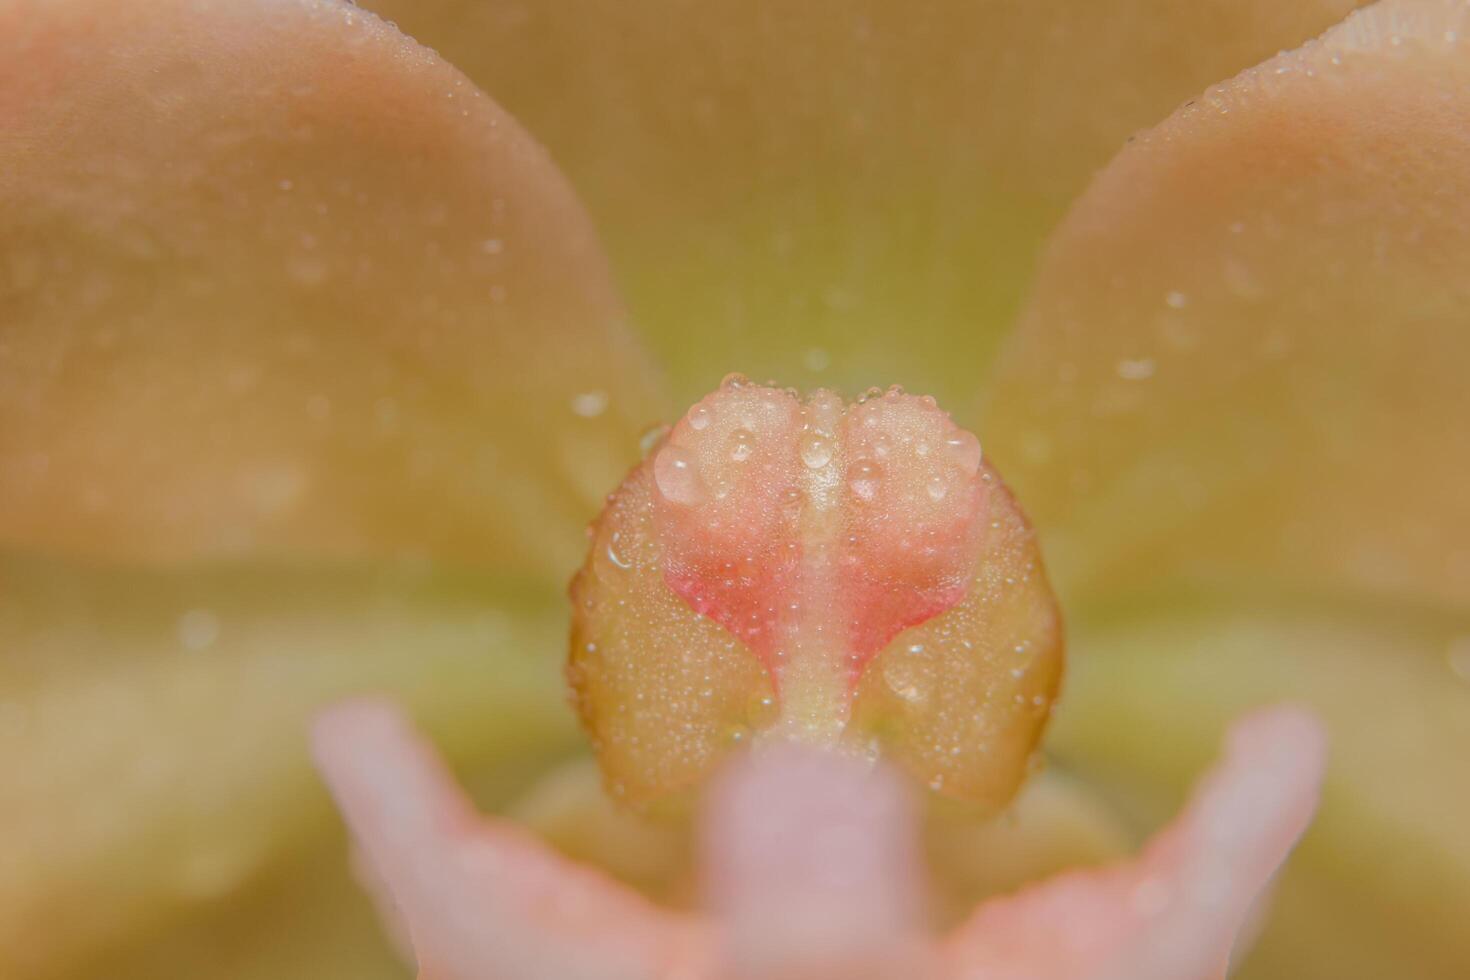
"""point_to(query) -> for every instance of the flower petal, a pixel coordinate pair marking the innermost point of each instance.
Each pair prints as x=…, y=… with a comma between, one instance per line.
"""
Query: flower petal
x=1245, y=359
x=1175, y=912
x=812, y=868
x=279, y=280
x=479, y=899
x=787, y=187
x=1381, y=884
x=168, y=779
x=812, y=873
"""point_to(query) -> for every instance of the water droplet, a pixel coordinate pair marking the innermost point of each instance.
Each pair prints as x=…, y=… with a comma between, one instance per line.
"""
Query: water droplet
x=307, y=267
x=198, y=629
x=319, y=408
x=677, y=478
x=964, y=449
x=590, y=404
x=1458, y=657
x=699, y=417
x=816, y=451
x=863, y=478
x=651, y=437
x=1176, y=300
x=734, y=381
x=904, y=680
x=742, y=444
x=1136, y=369
x=285, y=184
x=614, y=556
x=938, y=488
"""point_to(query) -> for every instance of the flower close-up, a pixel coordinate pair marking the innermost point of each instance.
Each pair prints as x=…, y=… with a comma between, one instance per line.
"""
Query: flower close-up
x=407, y=569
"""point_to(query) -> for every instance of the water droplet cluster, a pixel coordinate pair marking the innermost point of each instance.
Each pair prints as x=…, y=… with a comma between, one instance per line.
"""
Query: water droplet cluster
x=850, y=575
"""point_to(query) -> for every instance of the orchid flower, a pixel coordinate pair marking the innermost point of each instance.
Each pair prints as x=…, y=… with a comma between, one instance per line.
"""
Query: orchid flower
x=316, y=360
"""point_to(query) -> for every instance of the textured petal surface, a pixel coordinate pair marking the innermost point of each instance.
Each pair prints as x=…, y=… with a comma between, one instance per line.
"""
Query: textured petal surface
x=166, y=783
x=786, y=187
x=1381, y=884
x=276, y=279
x=1246, y=354
x=817, y=571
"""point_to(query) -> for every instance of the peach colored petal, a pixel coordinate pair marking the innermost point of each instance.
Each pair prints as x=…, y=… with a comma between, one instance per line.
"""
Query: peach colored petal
x=811, y=864
x=786, y=187
x=153, y=773
x=1245, y=359
x=279, y=280
x=1381, y=885
x=1173, y=913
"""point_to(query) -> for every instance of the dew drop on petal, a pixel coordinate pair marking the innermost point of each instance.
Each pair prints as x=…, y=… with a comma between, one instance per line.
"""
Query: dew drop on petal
x=1136, y=369
x=198, y=629
x=742, y=444
x=590, y=404
x=677, y=478
x=614, y=556
x=816, y=451
x=650, y=438
x=964, y=449
x=863, y=478
x=1458, y=657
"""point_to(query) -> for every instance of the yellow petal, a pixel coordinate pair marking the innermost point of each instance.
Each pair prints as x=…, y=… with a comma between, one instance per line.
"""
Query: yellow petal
x=1381, y=883
x=167, y=779
x=1245, y=359
x=276, y=279
x=833, y=192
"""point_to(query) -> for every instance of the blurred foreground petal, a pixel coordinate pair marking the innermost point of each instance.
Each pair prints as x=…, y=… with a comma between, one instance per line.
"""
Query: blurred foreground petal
x=1175, y=912
x=478, y=900
x=1245, y=359
x=277, y=279
x=811, y=868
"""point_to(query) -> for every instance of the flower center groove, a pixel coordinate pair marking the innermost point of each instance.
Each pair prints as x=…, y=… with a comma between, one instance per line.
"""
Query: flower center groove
x=850, y=575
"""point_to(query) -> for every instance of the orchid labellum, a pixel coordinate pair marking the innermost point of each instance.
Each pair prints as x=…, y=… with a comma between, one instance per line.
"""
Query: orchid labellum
x=321, y=346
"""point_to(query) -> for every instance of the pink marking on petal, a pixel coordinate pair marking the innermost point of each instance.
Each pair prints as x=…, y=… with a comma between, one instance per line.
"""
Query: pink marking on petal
x=812, y=570
x=817, y=529
x=1174, y=912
